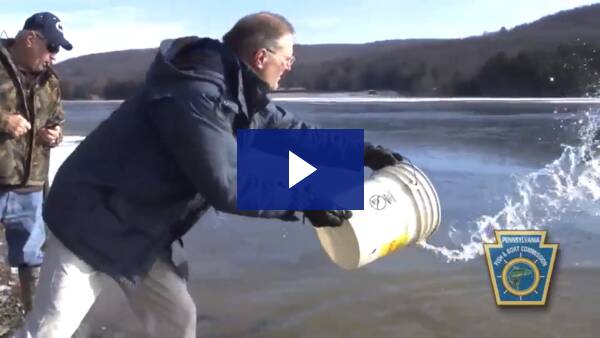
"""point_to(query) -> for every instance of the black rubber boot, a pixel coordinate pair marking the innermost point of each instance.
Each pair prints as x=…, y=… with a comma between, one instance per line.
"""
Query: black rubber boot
x=28, y=277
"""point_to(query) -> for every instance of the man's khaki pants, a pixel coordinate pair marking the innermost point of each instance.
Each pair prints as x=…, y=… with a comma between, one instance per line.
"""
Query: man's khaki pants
x=68, y=288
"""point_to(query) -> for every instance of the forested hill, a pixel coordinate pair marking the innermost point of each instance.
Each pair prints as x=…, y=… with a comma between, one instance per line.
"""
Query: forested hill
x=554, y=56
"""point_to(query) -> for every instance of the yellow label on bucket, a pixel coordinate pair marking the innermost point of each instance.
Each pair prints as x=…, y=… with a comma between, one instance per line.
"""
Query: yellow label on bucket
x=400, y=241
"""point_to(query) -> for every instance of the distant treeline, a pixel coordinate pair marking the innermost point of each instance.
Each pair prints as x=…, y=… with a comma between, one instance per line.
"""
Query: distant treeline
x=569, y=70
x=112, y=90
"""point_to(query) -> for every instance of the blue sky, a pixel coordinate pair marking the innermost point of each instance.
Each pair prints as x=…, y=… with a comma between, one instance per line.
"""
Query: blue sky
x=105, y=25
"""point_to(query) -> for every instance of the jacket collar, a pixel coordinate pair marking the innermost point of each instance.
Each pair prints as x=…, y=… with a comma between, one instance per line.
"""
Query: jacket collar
x=209, y=61
x=254, y=90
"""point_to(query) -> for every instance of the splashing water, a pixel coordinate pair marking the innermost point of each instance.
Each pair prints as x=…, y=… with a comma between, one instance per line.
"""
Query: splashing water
x=570, y=183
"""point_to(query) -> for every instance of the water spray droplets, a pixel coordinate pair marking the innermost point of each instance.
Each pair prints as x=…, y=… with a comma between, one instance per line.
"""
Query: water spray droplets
x=571, y=183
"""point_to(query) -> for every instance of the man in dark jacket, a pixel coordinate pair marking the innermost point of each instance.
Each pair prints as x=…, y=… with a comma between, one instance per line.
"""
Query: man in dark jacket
x=30, y=117
x=142, y=178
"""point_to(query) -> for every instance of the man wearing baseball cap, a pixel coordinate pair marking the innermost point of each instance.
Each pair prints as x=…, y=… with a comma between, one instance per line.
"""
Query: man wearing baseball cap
x=51, y=28
x=31, y=115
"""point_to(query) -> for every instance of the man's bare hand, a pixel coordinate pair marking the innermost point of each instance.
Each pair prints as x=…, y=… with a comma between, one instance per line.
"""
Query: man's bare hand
x=49, y=136
x=17, y=126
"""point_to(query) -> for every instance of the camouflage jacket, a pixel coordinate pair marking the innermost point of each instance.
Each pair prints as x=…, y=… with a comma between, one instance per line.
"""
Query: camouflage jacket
x=23, y=160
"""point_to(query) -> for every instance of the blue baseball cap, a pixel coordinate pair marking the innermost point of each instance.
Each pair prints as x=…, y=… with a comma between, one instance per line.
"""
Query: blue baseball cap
x=50, y=27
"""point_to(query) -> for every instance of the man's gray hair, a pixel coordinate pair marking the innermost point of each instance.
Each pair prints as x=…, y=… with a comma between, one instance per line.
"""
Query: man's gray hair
x=255, y=31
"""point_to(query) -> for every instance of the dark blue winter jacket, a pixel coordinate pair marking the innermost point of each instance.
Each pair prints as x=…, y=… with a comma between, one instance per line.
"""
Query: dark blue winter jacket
x=142, y=178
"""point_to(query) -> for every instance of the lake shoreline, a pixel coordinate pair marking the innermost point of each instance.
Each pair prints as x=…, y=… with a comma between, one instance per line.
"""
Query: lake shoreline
x=387, y=97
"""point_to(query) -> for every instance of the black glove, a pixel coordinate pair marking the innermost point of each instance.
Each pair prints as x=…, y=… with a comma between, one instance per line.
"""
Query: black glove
x=377, y=157
x=289, y=216
x=327, y=218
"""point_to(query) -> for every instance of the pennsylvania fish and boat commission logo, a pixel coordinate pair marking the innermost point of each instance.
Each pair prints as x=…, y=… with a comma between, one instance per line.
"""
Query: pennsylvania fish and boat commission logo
x=520, y=264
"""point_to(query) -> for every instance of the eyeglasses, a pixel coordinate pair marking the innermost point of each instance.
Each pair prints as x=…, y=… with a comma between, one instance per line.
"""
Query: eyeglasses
x=289, y=59
x=52, y=48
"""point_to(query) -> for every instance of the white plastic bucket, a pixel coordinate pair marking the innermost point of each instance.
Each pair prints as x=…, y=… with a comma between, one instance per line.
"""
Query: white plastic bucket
x=401, y=207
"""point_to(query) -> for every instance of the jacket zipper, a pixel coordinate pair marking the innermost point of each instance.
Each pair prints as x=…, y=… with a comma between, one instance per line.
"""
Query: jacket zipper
x=30, y=107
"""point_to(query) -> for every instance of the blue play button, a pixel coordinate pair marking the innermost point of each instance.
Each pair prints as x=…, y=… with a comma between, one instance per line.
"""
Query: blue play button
x=300, y=169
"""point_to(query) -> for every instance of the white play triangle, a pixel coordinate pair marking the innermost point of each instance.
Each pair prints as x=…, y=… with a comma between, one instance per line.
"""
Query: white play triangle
x=298, y=169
